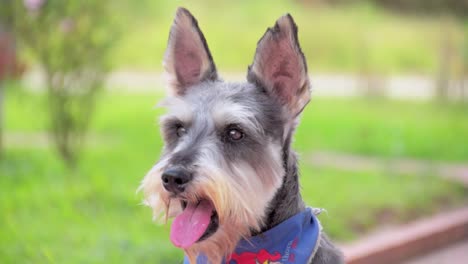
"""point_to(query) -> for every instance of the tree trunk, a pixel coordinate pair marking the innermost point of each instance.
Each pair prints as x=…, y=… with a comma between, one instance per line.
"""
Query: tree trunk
x=2, y=93
x=7, y=67
x=445, y=62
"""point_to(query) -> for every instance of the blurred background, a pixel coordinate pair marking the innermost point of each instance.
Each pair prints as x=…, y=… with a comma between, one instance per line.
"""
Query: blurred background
x=383, y=142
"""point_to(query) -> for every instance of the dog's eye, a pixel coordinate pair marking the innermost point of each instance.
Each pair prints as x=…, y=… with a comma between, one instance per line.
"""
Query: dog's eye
x=235, y=134
x=181, y=131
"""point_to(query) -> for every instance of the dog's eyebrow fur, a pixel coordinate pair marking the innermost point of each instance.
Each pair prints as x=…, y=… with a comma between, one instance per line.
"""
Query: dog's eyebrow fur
x=228, y=112
x=168, y=121
x=178, y=108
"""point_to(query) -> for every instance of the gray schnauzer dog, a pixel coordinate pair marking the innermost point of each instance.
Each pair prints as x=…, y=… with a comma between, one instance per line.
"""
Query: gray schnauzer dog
x=227, y=174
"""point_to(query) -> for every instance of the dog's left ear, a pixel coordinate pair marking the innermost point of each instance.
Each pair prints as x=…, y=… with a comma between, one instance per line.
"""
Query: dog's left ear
x=187, y=60
x=279, y=66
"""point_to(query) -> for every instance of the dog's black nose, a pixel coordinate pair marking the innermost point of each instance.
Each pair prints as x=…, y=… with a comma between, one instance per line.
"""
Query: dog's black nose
x=175, y=180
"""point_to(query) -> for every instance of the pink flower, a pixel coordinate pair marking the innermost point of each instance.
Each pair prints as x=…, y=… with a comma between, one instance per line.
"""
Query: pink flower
x=33, y=5
x=67, y=25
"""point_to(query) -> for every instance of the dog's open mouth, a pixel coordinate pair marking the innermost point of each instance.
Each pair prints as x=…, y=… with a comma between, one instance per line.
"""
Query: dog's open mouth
x=196, y=222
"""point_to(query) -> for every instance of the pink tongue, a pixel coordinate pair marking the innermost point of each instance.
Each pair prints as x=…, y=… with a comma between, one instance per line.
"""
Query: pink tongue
x=191, y=224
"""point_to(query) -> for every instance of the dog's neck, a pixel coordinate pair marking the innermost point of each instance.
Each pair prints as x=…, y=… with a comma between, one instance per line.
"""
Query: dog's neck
x=287, y=201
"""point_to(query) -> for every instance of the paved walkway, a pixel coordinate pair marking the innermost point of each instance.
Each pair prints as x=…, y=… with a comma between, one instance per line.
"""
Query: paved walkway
x=405, y=86
x=453, y=254
x=457, y=172
x=394, y=245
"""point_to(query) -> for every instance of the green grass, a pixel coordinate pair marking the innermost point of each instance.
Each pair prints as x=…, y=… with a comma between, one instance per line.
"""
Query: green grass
x=386, y=128
x=49, y=215
x=93, y=216
x=351, y=38
x=357, y=202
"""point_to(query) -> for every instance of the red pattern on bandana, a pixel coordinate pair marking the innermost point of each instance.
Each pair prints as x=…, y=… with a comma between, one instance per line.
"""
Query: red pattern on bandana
x=253, y=258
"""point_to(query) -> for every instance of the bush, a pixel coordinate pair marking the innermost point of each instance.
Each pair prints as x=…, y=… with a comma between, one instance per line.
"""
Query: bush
x=71, y=41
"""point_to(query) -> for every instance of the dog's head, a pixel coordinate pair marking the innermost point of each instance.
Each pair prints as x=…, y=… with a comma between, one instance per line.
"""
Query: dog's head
x=225, y=143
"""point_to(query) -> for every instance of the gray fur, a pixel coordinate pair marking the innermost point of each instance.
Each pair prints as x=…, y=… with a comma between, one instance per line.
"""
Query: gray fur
x=327, y=253
x=288, y=202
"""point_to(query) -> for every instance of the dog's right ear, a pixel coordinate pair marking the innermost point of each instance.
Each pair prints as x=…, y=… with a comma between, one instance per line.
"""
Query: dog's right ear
x=279, y=66
x=187, y=60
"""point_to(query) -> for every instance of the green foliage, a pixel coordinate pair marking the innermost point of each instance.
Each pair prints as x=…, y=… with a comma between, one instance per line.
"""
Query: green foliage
x=334, y=39
x=71, y=42
x=52, y=216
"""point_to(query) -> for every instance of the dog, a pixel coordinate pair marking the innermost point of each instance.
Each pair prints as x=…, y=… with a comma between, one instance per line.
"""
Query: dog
x=227, y=174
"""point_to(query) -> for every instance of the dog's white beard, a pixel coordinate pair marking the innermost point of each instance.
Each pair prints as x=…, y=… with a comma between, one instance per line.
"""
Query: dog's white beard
x=240, y=201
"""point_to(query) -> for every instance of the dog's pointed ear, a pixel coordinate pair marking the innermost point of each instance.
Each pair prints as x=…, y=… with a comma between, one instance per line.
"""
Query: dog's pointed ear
x=187, y=60
x=279, y=66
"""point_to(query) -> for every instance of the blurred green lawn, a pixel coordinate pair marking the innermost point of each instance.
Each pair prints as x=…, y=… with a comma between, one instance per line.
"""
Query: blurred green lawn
x=49, y=215
x=386, y=128
x=352, y=38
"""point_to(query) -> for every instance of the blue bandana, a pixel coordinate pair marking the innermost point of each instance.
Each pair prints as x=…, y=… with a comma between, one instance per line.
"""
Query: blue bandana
x=293, y=241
